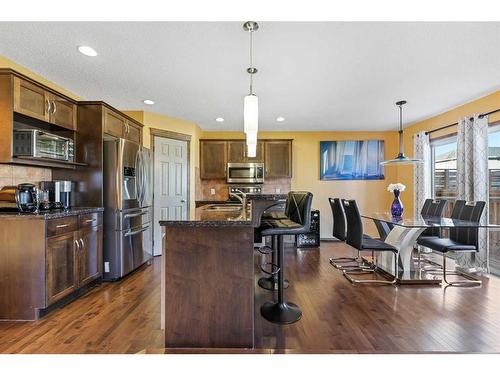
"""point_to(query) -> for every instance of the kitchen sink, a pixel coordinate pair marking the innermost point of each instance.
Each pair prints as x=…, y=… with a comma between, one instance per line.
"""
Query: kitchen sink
x=229, y=207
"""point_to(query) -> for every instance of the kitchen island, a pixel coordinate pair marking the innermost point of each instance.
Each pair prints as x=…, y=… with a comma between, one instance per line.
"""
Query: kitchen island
x=208, y=276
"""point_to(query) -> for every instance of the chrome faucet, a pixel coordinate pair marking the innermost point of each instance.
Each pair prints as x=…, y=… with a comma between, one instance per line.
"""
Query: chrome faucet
x=242, y=198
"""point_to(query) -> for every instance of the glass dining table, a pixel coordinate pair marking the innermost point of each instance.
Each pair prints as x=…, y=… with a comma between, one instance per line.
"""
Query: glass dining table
x=402, y=233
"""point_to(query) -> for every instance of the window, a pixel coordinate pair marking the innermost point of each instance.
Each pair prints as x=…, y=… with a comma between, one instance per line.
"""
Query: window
x=444, y=182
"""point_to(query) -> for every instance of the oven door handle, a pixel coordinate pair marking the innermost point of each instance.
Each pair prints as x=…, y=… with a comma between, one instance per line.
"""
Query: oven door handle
x=128, y=216
x=136, y=232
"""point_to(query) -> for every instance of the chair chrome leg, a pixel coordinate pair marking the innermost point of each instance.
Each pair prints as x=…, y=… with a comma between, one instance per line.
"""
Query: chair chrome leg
x=471, y=280
x=348, y=275
x=358, y=260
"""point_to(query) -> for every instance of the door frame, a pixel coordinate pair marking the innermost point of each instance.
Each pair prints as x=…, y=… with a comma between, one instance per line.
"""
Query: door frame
x=155, y=132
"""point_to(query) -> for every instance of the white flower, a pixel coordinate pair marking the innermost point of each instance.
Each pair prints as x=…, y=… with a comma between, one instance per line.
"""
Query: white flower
x=399, y=186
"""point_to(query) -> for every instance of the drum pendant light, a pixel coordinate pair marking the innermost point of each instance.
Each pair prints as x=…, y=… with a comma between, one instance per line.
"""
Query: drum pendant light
x=401, y=158
x=251, y=101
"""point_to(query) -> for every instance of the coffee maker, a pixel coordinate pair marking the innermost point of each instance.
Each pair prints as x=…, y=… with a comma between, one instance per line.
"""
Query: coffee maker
x=59, y=193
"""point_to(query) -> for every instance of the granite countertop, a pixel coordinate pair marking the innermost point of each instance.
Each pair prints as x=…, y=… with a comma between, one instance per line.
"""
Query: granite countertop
x=207, y=217
x=266, y=197
x=52, y=214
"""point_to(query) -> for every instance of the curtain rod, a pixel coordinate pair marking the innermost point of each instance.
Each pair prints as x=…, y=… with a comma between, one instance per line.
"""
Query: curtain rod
x=456, y=123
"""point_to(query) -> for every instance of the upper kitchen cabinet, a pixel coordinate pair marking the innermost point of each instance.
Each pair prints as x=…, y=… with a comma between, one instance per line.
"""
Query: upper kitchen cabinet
x=213, y=159
x=237, y=152
x=38, y=102
x=278, y=158
x=118, y=125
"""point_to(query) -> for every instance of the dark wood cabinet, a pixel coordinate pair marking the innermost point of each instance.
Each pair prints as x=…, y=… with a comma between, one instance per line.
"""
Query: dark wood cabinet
x=62, y=112
x=114, y=124
x=31, y=100
x=278, y=158
x=74, y=254
x=213, y=159
x=237, y=152
x=132, y=132
x=61, y=267
x=89, y=255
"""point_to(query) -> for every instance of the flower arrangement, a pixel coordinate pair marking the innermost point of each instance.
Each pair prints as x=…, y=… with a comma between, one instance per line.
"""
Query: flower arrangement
x=398, y=186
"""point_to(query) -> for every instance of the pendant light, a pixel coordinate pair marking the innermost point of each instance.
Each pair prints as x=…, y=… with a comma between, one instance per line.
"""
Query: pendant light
x=251, y=101
x=401, y=158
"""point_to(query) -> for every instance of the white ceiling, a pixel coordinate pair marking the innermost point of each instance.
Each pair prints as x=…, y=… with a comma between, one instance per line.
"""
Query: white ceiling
x=319, y=76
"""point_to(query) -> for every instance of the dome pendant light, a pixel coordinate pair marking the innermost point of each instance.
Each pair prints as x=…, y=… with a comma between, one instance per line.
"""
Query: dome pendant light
x=251, y=101
x=401, y=158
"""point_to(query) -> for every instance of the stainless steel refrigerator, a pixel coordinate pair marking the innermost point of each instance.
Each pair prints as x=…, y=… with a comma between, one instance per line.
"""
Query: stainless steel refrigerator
x=128, y=229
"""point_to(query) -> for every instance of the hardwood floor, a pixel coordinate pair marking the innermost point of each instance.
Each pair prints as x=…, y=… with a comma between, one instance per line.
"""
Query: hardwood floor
x=337, y=317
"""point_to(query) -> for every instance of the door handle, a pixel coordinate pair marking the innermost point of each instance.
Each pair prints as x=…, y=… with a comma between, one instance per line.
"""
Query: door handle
x=83, y=244
x=136, y=232
x=77, y=244
x=134, y=215
x=54, y=108
x=47, y=101
x=183, y=201
x=62, y=225
x=89, y=220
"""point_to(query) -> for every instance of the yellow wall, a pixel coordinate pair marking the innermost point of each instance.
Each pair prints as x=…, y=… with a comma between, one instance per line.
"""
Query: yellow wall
x=155, y=120
x=405, y=173
x=6, y=63
x=371, y=196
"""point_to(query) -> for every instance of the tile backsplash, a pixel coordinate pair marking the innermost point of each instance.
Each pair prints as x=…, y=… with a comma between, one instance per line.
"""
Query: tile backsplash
x=220, y=188
x=15, y=174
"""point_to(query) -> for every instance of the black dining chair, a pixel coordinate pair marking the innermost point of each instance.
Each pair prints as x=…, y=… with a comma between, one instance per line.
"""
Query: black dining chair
x=431, y=208
x=356, y=239
x=339, y=232
x=461, y=239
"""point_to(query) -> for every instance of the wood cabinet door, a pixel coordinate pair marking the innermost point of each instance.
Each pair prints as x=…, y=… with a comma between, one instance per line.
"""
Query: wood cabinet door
x=132, y=132
x=278, y=158
x=89, y=254
x=236, y=151
x=213, y=159
x=114, y=124
x=259, y=156
x=62, y=112
x=61, y=268
x=31, y=100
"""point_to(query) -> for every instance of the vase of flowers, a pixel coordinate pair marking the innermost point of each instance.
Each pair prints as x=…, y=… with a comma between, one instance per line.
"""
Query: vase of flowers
x=397, y=205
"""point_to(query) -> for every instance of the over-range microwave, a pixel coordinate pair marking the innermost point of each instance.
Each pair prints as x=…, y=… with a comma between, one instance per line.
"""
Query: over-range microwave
x=39, y=144
x=245, y=173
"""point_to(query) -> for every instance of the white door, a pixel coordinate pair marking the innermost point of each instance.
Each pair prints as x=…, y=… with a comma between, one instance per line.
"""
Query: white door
x=171, y=184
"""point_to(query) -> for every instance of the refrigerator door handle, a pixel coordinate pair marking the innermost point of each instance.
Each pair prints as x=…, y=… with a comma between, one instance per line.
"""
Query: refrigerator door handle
x=141, y=180
x=133, y=233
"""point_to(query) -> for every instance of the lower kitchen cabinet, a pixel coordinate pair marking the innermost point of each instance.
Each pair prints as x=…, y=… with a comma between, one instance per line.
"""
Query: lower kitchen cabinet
x=89, y=255
x=61, y=267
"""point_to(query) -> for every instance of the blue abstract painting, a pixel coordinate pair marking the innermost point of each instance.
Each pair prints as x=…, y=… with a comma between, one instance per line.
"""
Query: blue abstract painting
x=351, y=160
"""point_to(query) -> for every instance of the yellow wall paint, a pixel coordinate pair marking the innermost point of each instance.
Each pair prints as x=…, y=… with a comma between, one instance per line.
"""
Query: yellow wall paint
x=371, y=196
x=155, y=120
x=6, y=63
x=405, y=173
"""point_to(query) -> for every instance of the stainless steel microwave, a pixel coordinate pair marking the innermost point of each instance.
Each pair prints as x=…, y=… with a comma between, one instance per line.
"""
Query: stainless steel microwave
x=38, y=144
x=245, y=173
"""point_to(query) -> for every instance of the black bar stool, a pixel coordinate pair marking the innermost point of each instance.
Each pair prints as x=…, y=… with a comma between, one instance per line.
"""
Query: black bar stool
x=298, y=221
x=271, y=282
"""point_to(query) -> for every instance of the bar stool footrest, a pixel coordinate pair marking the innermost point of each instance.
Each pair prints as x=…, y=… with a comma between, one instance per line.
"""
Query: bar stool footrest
x=274, y=267
x=269, y=283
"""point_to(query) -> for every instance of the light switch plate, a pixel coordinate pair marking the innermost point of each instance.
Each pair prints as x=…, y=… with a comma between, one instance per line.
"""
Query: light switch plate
x=212, y=191
x=106, y=266
x=278, y=190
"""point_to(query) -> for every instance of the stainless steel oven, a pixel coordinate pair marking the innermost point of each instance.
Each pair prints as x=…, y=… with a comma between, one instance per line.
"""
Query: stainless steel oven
x=38, y=144
x=245, y=173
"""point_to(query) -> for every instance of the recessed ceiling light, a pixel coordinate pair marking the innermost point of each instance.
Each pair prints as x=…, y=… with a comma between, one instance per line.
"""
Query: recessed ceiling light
x=87, y=51
x=280, y=119
x=219, y=119
x=148, y=102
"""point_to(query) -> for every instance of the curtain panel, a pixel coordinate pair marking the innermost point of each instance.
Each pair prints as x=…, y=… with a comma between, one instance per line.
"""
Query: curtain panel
x=473, y=183
x=422, y=172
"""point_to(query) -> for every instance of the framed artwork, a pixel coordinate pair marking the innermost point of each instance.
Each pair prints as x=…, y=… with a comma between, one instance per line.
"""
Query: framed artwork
x=351, y=160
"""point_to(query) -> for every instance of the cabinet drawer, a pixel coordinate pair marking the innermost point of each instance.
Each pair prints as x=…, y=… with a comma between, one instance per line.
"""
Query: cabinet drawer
x=90, y=220
x=62, y=225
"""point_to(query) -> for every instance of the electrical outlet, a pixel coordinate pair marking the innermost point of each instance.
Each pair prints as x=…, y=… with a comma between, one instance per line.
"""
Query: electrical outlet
x=277, y=190
x=212, y=191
